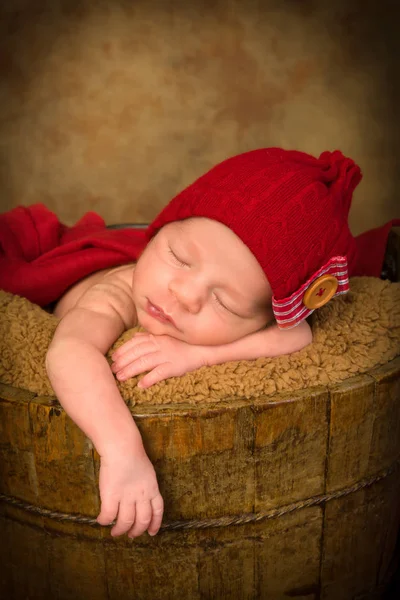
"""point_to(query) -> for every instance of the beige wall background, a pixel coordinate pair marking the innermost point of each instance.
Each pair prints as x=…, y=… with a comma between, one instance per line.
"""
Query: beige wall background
x=115, y=106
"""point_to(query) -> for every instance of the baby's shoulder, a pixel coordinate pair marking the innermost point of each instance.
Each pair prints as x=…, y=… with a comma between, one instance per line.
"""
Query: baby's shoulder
x=109, y=284
x=118, y=275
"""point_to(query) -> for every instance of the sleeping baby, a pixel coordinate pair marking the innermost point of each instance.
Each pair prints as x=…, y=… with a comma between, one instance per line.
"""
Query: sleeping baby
x=232, y=268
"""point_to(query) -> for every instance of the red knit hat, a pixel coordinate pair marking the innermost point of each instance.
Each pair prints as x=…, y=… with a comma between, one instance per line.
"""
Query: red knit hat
x=291, y=210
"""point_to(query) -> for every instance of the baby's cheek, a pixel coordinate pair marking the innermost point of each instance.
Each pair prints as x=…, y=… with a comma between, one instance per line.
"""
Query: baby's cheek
x=211, y=332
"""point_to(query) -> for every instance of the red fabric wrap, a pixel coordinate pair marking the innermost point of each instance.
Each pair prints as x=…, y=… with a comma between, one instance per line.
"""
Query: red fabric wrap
x=371, y=246
x=40, y=258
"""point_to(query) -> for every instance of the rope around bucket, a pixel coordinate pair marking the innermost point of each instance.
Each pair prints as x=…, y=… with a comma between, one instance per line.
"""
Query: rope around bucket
x=215, y=522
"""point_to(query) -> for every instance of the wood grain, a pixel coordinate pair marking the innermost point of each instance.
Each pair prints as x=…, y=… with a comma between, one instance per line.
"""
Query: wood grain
x=235, y=458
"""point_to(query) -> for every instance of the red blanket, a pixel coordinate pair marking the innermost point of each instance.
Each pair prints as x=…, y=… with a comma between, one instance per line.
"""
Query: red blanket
x=40, y=258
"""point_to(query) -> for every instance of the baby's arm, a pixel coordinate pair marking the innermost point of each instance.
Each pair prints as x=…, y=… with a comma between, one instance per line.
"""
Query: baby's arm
x=164, y=356
x=268, y=342
x=84, y=384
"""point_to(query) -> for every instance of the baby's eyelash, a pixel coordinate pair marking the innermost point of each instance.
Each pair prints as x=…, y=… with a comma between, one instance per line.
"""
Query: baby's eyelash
x=229, y=310
x=176, y=258
x=218, y=301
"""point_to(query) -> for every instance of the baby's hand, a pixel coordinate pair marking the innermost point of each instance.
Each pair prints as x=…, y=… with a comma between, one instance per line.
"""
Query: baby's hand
x=161, y=355
x=129, y=492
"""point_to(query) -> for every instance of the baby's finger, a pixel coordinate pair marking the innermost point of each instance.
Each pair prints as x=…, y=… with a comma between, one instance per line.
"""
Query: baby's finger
x=108, y=512
x=142, y=520
x=126, y=518
x=139, y=338
x=140, y=365
x=159, y=373
x=133, y=354
x=157, y=505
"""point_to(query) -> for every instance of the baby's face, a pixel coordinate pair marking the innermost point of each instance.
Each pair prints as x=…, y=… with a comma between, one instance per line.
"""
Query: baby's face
x=197, y=281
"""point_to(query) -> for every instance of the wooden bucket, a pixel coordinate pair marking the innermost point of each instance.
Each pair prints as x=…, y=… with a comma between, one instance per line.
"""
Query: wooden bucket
x=290, y=496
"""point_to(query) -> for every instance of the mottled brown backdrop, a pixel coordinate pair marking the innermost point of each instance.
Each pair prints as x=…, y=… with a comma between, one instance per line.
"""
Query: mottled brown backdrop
x=114, y=106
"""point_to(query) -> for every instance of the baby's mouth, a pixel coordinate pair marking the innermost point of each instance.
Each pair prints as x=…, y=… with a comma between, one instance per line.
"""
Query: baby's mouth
x=155, y=311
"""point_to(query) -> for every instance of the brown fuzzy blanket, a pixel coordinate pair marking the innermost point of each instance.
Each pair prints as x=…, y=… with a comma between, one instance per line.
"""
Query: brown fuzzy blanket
x=352, y=334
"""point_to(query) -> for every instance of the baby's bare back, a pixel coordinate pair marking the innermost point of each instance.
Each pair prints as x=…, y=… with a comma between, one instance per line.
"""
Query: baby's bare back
x=112, y=276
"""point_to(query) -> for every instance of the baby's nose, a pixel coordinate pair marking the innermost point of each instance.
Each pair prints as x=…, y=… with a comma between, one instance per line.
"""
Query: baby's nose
x=189, y=294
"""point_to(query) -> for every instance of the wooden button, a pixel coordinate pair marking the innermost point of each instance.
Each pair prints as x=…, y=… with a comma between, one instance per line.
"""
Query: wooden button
x=320, y=291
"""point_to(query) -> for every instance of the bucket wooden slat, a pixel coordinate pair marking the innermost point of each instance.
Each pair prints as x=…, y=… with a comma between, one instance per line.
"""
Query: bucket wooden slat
x=289, y=450
x=202, y=454
x=63, y=459
x=356, y=529
x=385, y=443
x=351, y=425
x=17, y=462
x=26, y=561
